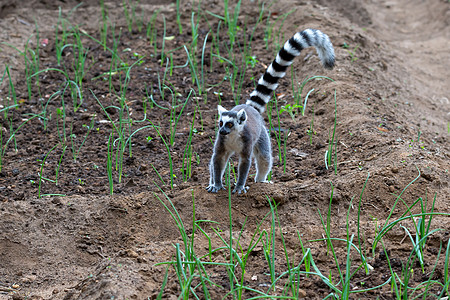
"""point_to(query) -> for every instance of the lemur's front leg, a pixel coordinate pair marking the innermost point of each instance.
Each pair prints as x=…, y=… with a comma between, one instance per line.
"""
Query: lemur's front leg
x=215, y=180
x=244, y=167
x=216, y=169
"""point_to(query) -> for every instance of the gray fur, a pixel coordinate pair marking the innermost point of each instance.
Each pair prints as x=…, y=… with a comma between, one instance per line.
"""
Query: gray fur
x=242, y=130
x=248, y=138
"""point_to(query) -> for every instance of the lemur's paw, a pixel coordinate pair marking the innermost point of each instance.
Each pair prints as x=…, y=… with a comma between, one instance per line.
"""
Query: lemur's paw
x=240, y=190
x=264, y=181
x=214, y=188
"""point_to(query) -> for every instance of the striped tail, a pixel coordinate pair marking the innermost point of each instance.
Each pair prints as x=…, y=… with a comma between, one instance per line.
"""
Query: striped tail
x=291, y=49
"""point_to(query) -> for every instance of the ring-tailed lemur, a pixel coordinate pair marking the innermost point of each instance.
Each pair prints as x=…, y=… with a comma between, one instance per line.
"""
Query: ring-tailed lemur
x=242, y=130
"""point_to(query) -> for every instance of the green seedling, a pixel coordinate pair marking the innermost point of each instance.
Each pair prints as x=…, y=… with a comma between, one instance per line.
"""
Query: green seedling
x=109, y=163
x=186, y=168
x=251, y=61
x=180, y=27
x=59, y=164
x=290, y=109
x=329, y=153
x=352, y=53
x=42, y=170
x=104, y=24
x=310, y=131
x=12, y=137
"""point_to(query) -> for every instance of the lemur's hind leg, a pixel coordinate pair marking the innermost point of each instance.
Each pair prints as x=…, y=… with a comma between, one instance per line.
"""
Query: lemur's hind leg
x=263, y=157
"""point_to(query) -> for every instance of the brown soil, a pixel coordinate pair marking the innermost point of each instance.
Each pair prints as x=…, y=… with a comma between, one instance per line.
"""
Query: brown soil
x=393, y=116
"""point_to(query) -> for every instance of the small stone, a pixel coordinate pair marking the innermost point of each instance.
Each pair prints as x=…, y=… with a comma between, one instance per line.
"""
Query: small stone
x=11, y=153
x=427, y=176
x=301, y=293
x=141, y=260
x=286, y=177
x=337, y=197
x=132, y=253
x=130, y=183
x=391, y=189
x=394, y=170
x=29, y=278
x=279, y=198
x=85, y=116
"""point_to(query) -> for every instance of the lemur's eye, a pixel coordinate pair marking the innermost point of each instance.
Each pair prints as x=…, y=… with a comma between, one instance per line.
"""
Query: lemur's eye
x=230, y=125
x=220, y=123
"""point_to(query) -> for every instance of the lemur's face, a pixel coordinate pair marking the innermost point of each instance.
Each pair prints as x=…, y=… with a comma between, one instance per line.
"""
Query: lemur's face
x=230, y=121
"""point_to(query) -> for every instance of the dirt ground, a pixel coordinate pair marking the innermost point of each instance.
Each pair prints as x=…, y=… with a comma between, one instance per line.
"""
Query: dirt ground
x=393, y=123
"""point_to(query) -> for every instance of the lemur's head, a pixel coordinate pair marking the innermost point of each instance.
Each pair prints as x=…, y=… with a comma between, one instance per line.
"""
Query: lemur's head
x=230, y=121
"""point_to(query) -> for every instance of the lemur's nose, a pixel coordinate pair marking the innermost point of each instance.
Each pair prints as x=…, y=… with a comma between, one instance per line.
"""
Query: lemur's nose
x=224, y=131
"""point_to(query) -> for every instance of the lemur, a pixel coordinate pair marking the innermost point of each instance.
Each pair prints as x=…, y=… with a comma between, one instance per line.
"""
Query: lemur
x=242, y=130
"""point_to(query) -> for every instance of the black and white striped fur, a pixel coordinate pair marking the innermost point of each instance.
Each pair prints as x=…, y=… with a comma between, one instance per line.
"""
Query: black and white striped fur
x=242, y=130
x=291, y=49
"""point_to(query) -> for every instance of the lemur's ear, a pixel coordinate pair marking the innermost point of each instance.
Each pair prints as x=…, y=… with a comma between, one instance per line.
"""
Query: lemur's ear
x=221, y=109
x=241, y=116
